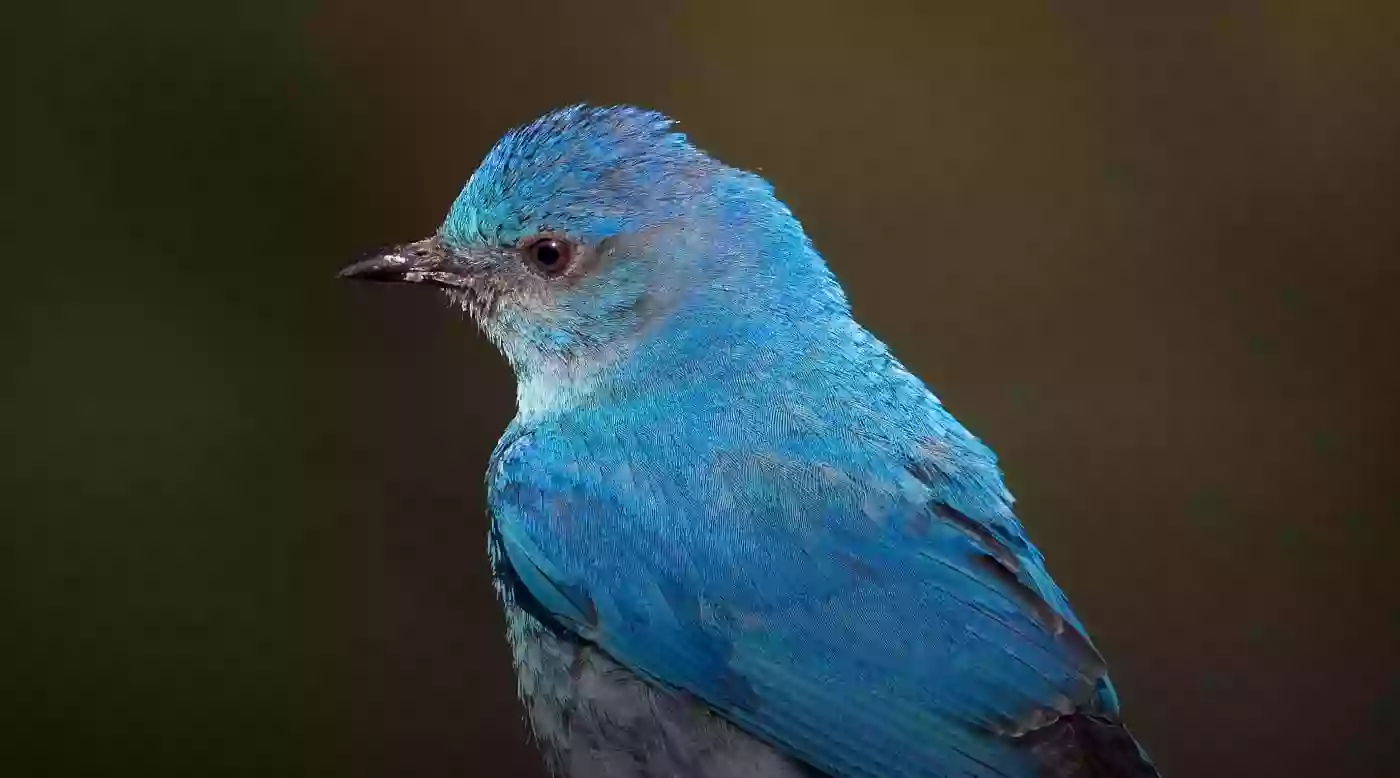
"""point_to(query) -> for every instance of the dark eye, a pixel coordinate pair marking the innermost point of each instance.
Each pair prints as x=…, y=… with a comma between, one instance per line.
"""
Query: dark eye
x=549, y=256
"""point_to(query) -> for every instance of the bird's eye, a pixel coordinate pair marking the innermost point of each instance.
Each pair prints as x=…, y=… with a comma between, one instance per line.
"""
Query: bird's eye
x=548, y=256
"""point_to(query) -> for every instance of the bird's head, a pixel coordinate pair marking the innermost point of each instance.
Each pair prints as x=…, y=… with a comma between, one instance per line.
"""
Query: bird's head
x=588, y=230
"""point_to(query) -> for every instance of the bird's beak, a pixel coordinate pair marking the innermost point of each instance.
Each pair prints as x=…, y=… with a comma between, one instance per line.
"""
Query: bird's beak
x=424, y=261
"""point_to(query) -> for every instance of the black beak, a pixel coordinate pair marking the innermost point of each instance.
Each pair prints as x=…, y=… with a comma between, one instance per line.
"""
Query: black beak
x=423, y=261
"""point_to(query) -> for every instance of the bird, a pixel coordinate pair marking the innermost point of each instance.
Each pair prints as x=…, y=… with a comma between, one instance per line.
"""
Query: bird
x=733, y=536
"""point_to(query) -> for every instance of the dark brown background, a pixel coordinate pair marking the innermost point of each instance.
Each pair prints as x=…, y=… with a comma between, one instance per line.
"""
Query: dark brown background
x=1149, y=255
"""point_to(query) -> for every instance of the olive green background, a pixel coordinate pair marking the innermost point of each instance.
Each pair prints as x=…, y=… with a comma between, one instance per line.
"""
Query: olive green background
x=1149, y=254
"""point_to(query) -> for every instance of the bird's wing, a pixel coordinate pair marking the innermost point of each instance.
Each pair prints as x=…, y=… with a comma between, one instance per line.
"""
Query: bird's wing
x=864, y=618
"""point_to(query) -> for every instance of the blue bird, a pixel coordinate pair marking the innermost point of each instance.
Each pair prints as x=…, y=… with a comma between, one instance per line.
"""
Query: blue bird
x=732, y=534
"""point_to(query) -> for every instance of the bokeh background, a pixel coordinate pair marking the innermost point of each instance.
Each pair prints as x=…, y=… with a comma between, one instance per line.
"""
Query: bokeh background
x=1149, y=254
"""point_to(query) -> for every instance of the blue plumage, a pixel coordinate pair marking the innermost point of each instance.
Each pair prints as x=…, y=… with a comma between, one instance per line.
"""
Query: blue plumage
x=733, y=534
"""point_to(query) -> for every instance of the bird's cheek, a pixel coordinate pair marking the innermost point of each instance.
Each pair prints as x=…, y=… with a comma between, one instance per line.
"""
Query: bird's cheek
x=534, y=318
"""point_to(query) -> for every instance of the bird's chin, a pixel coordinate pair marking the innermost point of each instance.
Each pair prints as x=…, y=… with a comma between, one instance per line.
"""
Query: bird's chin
x=479, y=304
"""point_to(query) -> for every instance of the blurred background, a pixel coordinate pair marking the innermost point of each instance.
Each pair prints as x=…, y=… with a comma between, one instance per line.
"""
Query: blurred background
x=1150, y=256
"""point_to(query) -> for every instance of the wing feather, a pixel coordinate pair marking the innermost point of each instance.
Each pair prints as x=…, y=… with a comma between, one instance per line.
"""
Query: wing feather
x=875, y=619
